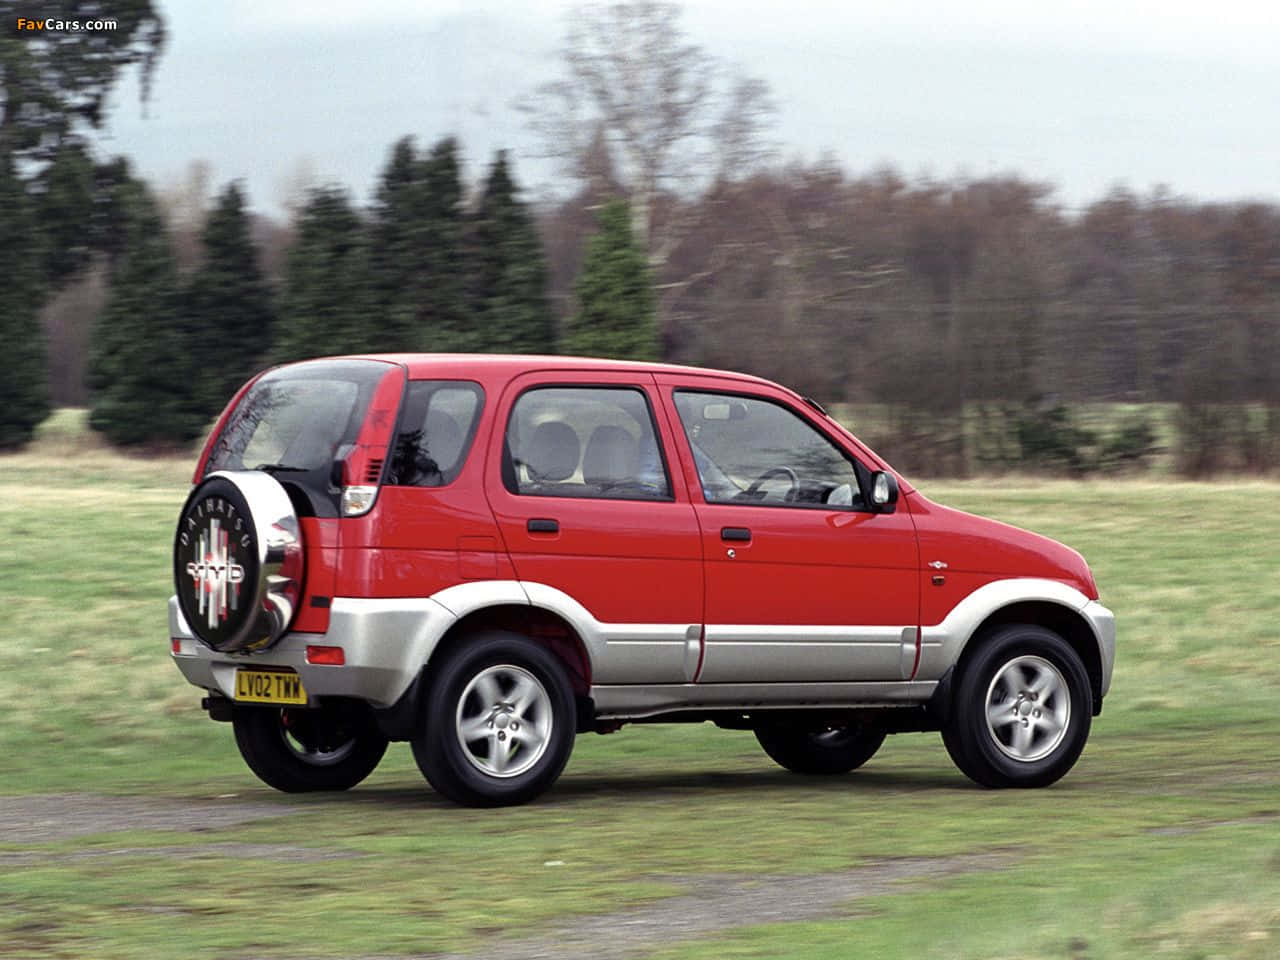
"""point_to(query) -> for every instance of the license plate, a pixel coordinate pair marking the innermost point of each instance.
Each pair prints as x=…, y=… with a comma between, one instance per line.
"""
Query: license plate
x=269, y=686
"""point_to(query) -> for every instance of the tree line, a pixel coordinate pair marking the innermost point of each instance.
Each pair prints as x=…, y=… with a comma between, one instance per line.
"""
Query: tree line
x=978, y=319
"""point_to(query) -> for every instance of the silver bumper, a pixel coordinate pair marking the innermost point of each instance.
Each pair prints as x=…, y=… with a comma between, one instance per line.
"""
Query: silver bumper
x=1103, y=622
x=384, y=643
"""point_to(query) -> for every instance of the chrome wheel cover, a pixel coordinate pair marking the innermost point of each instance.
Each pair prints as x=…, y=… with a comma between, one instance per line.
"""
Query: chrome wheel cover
x=504, y=720
x=1028, y=708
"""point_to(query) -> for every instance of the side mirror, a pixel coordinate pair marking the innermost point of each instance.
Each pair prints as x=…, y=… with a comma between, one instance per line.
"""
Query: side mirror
x=884, y=492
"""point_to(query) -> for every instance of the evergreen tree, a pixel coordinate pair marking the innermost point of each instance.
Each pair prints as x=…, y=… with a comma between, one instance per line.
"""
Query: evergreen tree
x=24, y=399
x=329, y=299
x=615, y=315
x=399, y=238
x=228, y=303
x=443, y=322
x=143, y=367
x=506, y=272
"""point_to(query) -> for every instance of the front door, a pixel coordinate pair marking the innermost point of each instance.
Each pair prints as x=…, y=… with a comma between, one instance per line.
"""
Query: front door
x=589, y=509
x=803, y=582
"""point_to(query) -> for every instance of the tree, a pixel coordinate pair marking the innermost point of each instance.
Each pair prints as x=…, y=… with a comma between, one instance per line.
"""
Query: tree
x=615, y=316
x=442, y=322
x=23, y=364
x=632, y=77
x=54, y=85
x=506, y=271
x=228, y=303
x=417, y=257
x=328, y=301
x=144, y=370
x=398, y=238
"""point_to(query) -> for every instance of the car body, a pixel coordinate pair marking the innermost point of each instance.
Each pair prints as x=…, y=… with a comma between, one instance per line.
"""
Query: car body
x=438, y=548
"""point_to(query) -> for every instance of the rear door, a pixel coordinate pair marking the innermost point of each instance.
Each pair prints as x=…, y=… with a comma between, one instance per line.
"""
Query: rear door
x=803, y=582
x=592, y=514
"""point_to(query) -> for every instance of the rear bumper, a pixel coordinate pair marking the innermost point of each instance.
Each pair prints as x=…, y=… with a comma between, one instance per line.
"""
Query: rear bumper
x=384, y=643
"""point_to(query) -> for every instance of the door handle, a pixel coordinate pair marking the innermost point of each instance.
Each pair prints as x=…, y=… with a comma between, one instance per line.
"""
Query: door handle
x=735, y=533
x=543, y=525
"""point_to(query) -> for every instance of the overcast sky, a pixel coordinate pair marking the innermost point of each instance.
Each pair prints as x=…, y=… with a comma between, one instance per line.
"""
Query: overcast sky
x=1084, y=95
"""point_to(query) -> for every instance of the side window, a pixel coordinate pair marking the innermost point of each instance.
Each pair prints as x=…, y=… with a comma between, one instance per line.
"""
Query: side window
x=437, y=426
x=758, y=452
x=584, y=442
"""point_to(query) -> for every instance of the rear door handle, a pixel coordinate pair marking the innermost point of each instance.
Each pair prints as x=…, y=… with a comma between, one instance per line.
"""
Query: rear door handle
x=543, y=525
x=735, y=533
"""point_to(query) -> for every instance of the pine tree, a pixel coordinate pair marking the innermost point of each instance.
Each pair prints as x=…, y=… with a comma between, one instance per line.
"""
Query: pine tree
x=506, y=271
x=143, y=371
x=615, y=315
x=228, y=304
x=443, y=322
x=24, y=399
x=329, y=299
x=398, y=232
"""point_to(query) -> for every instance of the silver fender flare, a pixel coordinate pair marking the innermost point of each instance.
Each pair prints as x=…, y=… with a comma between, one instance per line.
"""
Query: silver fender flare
x=941, y=645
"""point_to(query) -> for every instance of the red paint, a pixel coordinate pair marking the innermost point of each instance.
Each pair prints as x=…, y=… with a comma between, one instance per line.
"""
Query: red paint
x=643, y=561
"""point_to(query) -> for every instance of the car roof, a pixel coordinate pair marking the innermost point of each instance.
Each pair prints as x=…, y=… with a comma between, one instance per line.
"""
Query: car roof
x=422, y=365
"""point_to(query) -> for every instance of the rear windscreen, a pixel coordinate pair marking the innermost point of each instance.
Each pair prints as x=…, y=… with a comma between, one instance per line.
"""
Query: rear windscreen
x=296, y=418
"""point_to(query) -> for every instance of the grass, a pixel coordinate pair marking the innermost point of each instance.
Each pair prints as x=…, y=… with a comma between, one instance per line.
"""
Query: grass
x=1162, y=841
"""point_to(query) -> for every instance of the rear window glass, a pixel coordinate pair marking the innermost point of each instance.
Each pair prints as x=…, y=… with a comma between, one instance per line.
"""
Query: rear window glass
x=436, y=429
x=297, y=417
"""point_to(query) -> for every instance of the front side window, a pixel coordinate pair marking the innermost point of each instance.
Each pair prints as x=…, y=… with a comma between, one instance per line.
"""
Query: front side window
x=584, y=442
x=436, y=429
x=757, y=452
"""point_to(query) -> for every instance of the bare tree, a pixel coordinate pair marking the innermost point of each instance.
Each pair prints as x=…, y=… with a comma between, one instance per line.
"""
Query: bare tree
x=633, y=80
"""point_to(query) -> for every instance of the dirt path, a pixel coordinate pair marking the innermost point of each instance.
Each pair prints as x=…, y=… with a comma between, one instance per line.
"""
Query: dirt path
x=718, y=903
x=714, y=903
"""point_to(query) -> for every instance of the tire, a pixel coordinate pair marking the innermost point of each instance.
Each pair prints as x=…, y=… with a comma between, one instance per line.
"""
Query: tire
x=498, y=724
x=1021, y=711
x=819, y=750
x=330, y=748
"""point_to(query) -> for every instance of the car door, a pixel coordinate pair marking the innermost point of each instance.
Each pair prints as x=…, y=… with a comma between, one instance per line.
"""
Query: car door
x=803, y=582
x=592, y=516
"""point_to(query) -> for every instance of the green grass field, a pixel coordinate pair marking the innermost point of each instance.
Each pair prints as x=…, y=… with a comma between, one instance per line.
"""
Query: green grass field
x=1164, y=841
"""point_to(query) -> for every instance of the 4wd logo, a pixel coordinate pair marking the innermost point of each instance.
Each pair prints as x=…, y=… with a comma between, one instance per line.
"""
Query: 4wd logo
x=215, y=574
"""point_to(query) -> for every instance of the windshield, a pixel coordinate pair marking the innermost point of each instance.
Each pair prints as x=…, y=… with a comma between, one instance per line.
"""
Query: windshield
x=296, y=418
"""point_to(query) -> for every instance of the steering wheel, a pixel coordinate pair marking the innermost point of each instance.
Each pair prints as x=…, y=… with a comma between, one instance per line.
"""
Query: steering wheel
x=769, y=474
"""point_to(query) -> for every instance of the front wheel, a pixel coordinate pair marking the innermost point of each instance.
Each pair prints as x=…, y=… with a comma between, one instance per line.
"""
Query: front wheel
x=1021, y=711
x=819, y=749
x=333, y=747
x=499, y=722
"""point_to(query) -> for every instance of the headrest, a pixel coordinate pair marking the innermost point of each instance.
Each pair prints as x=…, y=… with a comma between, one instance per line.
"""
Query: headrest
x=552, y=452
x=611, y=456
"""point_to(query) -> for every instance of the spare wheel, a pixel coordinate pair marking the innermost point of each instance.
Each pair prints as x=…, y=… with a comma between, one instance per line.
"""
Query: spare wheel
x=237, y=561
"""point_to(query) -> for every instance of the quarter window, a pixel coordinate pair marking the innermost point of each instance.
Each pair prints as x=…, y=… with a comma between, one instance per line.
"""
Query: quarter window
x=436, y=430
x=757, y=452
x=584, y=442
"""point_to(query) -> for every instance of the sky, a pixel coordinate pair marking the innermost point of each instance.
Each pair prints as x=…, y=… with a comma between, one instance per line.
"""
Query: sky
x=1084, y=95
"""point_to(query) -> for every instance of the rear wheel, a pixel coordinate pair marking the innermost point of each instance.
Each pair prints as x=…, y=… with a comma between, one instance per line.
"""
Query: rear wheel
x=1021, y=711
x=333, y=747
x=818, y=749
x=499, y=722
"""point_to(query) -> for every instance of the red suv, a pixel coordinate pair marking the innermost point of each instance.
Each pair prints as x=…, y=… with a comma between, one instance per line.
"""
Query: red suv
x=485, y=555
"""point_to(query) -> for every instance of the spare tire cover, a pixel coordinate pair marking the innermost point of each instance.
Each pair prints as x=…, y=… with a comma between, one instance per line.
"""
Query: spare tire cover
x=237, y=561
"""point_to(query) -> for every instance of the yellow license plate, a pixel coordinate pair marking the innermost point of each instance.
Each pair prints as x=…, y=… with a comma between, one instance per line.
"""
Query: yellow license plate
x=269, y=686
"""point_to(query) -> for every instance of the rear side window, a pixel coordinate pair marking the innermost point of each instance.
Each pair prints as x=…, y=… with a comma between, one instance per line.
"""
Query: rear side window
x=584, y=442
x=436, y=429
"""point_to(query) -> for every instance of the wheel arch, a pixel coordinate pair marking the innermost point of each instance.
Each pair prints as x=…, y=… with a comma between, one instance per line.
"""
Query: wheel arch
x=1062, y=620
